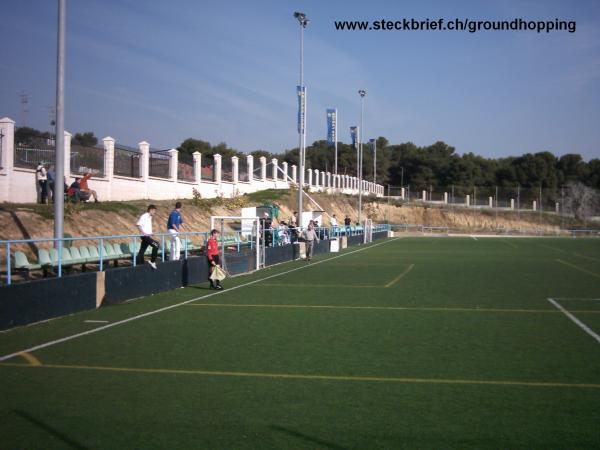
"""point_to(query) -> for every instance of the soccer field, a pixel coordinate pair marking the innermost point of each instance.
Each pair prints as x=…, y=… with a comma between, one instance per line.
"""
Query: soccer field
x=404, y=343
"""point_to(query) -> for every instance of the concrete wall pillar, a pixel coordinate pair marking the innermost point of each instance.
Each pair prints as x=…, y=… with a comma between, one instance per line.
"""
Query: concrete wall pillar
x=217, y=166
x=197, y=167
x=173, y=164
x=235, y=167
x=263, y=168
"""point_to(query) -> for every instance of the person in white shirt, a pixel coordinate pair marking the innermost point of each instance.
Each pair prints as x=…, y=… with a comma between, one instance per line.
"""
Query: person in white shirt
x=144, y=224
x=334, y=225
x=310, y=237
x=42, y=178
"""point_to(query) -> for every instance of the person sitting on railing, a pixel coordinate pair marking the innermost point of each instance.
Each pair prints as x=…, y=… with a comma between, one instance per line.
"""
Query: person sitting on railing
x=85, y=189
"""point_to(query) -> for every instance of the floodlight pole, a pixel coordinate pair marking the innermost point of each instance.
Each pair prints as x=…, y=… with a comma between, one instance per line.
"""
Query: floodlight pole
x=362, y=94
x=59, y=163
x=303, y=21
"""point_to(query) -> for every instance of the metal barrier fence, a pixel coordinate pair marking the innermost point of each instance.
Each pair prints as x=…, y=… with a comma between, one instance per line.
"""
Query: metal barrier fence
x=87, y=159
x=159, y=164
x=207, y=170
x=127, y=162
x=185, y=167
x=243, y=170
x=226, y=169
x=56, y=254
x=33, y=152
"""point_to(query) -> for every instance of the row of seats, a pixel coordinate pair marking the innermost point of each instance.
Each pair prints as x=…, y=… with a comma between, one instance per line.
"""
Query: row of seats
x=90, y=254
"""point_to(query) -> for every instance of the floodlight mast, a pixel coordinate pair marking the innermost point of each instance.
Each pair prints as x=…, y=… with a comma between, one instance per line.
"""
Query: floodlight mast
x=303, y=21
x=362, y=94
x=59, y=164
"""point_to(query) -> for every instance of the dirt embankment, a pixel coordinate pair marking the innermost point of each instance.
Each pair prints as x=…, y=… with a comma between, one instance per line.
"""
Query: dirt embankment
x=29, y=221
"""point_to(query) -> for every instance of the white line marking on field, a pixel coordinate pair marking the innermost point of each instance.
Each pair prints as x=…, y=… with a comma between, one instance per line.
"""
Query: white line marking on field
x=96, y=321
x=474, y=237
x=579, y=299
x=166, y=308
x=578, y=322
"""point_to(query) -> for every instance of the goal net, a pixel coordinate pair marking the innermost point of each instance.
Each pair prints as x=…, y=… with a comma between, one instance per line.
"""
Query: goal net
x=239, y=243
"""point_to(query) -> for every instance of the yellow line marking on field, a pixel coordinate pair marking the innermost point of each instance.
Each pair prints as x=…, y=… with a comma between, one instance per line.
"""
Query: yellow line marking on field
x=586, y=257
x=391, y=308
x=581, y=269
x=399, y=277
x=337, y=286
x=32, y=360
x=292, y=376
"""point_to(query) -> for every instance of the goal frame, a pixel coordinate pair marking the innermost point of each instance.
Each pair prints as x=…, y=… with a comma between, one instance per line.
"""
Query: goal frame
x=255, y=234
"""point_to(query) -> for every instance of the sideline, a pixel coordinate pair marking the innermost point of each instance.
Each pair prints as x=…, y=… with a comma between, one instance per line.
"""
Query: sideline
x=166, y=308
x=575, y=320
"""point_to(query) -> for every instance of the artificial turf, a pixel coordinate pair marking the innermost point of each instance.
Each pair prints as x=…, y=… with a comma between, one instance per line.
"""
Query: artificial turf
x=406, y=343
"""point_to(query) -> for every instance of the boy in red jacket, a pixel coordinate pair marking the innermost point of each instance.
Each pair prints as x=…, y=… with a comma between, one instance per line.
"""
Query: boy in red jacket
x=212, y=253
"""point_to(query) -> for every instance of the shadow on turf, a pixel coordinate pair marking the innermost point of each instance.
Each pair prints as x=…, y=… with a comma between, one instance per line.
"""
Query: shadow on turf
x=47, y=428
x=307, y=438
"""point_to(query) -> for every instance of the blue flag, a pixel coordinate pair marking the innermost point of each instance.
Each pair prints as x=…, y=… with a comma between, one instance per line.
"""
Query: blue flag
x=331, y=126
x=301, y=93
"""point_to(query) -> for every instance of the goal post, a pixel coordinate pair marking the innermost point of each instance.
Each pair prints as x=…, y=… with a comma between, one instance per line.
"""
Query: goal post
x=250, y=226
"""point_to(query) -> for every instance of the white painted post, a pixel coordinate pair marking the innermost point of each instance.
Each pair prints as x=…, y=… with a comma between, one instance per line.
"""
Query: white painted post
x=309, y=173
x=328, y=180
x=402, y=193
x=534, y=205
x=491, y=202
x=173, y=164
x=7, y=157
x=557, y=207
x=263, y=169
x=250, y=163
x=468, y=200
x=274, y=162
x=317, y=183
x=67, y=161
x=284, y=167
x=445, y=198
x=235, y=167
x=323, y=179
x=109, y=158
x=294, y=173
x=218, y=164
x=144, y=165
x=424, y=195
x=512, y=203
x=197, y=167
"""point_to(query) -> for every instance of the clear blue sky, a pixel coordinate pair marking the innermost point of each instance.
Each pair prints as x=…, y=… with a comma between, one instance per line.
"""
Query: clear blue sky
x=226, y=71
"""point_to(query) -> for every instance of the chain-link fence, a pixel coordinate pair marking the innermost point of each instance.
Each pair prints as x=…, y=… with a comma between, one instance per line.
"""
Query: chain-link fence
x=87, y=160
x=159, y=164
x=185, y=167
x=127, y=162
x=34, y=151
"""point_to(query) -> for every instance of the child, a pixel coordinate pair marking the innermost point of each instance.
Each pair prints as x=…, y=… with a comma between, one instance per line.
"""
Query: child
x=212, y=253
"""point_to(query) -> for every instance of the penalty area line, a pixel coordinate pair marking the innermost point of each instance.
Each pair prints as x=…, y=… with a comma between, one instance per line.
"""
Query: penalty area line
x=577, y=322
x=166, y=308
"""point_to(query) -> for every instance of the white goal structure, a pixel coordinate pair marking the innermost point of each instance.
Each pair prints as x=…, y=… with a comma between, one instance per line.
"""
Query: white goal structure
x=249, y=231
x=368, y=231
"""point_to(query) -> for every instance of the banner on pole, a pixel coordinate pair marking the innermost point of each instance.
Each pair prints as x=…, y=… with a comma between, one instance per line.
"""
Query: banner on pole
x=331, y=126
x=301, y=93
x=354, y=135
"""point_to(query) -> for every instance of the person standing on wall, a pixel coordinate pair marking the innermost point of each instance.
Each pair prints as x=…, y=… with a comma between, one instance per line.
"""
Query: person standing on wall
x=42, y=178
x=144, y=224
x=174, y=227
x=334, y=225
x=310, y=237
x=212, y=253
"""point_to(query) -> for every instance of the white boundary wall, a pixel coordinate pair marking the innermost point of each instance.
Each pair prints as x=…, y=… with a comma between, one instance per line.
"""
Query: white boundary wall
x=18, y=185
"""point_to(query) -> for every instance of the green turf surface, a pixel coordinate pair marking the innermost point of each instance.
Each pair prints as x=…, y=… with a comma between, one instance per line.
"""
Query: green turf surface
x=407, y=343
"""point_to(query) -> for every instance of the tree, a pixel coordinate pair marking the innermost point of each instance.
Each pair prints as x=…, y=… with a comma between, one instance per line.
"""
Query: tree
x=86, y=139
x=582, y=201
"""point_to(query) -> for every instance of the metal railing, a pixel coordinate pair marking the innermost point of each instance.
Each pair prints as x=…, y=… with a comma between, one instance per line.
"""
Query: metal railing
x=33, y=152
x=58, y=252
x=185, y=167
x=207, y=169
x=226, y=169
x=87, y=159
x=243, y=170
x=127, y=162
x=159, y=164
